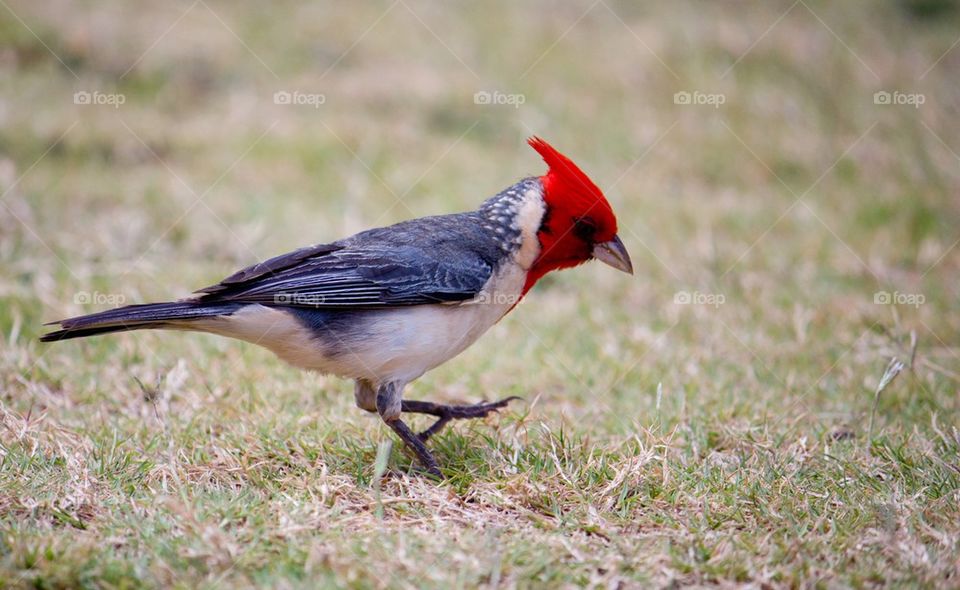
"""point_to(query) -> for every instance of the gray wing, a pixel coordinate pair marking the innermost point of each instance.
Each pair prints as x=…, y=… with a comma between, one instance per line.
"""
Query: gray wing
x=422, y=261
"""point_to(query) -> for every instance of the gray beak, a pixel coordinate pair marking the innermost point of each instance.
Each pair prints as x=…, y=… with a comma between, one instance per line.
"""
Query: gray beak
x=615, y=254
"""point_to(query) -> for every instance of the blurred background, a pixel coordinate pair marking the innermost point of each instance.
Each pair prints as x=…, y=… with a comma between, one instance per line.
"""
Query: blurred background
x=785, y=175
x=779, y=168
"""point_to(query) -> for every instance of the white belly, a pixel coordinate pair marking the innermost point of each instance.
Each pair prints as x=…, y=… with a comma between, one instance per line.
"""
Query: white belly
x=398, y=344
x=409, y=342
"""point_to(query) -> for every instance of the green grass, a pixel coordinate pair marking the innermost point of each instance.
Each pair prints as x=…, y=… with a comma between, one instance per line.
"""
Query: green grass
x=660, y=444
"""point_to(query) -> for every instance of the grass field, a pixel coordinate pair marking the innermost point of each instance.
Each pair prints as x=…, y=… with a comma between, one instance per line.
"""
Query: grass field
x=721, y=418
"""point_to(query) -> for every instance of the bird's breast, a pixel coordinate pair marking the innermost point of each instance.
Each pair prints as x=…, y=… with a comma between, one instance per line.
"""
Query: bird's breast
x=403, y=343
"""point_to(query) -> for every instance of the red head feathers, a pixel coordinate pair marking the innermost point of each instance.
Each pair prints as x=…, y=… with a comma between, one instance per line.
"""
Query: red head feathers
x=579, y=223
x=565, y=184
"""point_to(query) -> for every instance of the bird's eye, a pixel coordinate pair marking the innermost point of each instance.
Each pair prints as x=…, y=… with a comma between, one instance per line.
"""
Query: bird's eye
x=584, y=228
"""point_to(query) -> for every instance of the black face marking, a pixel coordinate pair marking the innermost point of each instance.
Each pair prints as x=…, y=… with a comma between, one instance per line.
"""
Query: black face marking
x=585, y=228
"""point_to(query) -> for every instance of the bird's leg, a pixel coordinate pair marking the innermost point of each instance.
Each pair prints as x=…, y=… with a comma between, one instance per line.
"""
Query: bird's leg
x=445, y=413
x=389, y=407
x=365, y=395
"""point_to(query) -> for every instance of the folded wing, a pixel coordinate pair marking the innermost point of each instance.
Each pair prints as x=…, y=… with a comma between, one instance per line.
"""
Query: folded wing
x=415, y=263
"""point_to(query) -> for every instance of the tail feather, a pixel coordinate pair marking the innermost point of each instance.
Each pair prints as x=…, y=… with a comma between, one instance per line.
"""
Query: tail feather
x=137, y=317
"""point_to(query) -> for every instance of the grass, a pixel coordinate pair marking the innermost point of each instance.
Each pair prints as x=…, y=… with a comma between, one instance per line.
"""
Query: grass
x=748, y=437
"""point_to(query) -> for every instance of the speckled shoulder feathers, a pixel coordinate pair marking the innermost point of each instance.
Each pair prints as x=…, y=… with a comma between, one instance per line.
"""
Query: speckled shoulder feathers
x=500, y=214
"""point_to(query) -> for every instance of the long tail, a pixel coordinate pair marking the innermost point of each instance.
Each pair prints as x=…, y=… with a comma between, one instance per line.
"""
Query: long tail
x=175, y=314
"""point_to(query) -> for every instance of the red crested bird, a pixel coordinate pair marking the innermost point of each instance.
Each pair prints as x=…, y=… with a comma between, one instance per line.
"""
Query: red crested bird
x=386, y=305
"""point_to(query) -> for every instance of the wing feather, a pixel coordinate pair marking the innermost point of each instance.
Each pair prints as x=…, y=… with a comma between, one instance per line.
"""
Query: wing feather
x=430, y=260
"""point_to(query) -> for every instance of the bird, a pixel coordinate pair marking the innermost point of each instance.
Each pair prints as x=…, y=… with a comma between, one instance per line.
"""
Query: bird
x=386, y=305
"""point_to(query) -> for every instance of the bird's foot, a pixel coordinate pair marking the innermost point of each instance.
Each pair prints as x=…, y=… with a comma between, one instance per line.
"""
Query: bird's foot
x=445, y=413
x=415, y=443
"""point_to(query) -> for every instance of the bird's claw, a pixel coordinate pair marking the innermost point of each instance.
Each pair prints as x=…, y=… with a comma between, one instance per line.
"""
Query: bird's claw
x=445, y=413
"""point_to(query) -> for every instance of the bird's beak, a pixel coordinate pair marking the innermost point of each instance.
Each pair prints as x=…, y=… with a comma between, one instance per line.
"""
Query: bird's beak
x=615, y=254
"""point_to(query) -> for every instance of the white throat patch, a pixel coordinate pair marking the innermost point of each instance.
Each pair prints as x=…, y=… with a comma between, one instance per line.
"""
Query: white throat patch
x=528, y=219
